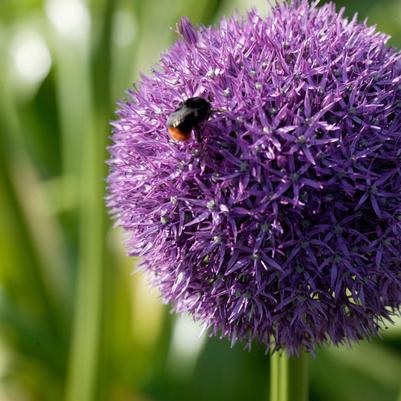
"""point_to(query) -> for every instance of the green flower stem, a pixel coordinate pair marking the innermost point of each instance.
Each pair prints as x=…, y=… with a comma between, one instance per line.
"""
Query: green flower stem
x=274, y=376
x=288, y=378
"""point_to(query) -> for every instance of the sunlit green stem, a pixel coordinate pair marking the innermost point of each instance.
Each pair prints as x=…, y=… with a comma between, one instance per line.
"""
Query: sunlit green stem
x=288, y=378
x=274, y=377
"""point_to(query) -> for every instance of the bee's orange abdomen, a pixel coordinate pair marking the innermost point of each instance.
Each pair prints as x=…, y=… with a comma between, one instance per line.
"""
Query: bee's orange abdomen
x=179, y=135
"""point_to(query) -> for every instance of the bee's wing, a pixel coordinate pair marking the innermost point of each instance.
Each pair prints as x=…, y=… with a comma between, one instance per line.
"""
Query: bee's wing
x=177, y=117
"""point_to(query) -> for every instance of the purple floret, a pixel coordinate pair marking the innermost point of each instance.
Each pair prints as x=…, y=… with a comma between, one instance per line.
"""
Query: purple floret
x=282, y=222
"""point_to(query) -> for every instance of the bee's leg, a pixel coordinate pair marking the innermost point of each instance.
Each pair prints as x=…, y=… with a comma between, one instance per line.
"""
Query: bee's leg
x=197, y=135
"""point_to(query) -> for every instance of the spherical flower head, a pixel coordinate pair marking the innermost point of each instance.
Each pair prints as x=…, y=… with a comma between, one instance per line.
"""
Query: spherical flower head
x=280, y=219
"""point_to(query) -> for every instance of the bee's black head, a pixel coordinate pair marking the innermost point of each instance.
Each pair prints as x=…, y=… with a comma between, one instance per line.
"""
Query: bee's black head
x=198, y=103
x=199, y=107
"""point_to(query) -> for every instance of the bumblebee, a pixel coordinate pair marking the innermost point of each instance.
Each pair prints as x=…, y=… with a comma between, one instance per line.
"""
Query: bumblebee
x=187, y=116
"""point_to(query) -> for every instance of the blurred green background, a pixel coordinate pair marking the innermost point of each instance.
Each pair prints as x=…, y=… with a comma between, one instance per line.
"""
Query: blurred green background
x=75, y=324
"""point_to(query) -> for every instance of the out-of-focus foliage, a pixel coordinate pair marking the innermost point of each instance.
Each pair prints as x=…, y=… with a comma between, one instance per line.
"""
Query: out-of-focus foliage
x=75, y=325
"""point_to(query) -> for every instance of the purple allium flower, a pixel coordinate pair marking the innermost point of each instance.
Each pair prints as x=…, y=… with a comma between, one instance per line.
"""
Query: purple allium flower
x=281, y=220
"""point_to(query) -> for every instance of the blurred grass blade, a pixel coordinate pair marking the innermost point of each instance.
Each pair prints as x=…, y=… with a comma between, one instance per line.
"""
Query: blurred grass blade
x=30, y=338
x=85, y=359
x=44, y=270
x=73, y=100
x=375, y=361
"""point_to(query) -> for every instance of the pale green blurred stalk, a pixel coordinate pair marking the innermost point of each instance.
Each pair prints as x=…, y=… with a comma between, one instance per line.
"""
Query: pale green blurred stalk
x=83, y=377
